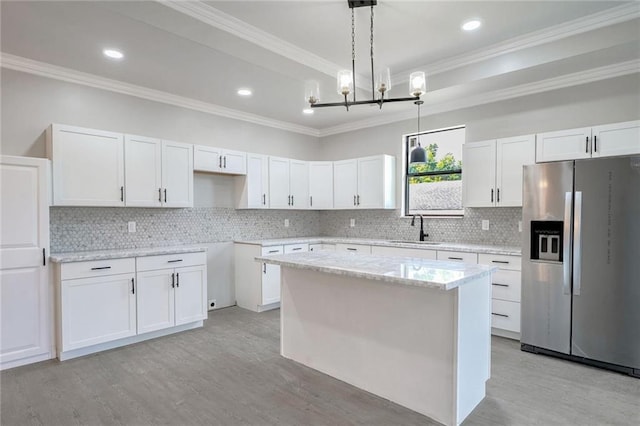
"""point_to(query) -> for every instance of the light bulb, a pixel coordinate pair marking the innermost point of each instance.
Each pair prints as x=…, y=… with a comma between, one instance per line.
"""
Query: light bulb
x=383, y=80
x=417, y=83
x=311, y=92
x=345, y=82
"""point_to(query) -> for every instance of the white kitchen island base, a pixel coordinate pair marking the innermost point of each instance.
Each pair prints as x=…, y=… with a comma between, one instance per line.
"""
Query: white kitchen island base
x=426, y=349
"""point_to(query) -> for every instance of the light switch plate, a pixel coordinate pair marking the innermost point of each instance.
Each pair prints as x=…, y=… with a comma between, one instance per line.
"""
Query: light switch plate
x=485, y=225
x=352, y=223
x=131, y=226
x=286, y=223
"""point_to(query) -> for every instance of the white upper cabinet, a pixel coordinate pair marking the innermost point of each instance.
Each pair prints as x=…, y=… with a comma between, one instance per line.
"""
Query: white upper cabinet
x=599, y=141
x=177, y=174
x=288, y=183
x=299, y=184
x=253, y=189
x=367, y=183
x=492, y=174
x=321, y=184
x=143, y=171
x=217, y=160
x=88, y=166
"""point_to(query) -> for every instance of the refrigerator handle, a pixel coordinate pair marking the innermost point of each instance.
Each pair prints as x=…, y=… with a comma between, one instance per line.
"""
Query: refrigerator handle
x=566, y=250
x=577, y=243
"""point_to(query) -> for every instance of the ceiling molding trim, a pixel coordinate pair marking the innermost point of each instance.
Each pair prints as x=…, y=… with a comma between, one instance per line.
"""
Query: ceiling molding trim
x=608, y=17
x=554, y=83
x=44, y=69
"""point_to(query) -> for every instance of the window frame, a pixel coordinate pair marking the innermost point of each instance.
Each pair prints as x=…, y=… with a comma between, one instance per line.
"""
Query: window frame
x=406, y=176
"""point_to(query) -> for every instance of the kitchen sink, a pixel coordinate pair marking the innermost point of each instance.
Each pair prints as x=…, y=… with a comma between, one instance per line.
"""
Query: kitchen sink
x=429, y=243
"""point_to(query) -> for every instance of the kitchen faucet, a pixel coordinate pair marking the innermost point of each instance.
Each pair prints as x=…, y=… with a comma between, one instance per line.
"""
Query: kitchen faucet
x=413, y=223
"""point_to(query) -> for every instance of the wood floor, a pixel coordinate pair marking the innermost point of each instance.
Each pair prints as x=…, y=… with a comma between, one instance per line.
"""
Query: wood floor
x=230, y=373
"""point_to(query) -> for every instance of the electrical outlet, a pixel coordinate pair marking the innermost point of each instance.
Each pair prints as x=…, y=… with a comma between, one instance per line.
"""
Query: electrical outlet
x=485, y=225
x=519, y=226
x=286, y=223
x=131, y=226
x=352, y=223
x=213, y=304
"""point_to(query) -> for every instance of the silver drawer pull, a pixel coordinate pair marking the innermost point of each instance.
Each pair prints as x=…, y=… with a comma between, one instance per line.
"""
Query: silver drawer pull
x=101, y=267
x=504, y=262
x=296, y=249
x=500, y=315
x=352, y=249
x=455, y=258
x=273, y=251
x=500, y=285
x=174, y=261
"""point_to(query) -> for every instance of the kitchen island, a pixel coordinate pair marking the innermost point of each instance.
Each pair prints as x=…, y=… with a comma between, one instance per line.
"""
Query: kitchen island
x=414, y=331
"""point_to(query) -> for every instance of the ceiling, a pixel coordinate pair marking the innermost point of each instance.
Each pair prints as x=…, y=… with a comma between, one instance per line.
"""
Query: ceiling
x=197, y=54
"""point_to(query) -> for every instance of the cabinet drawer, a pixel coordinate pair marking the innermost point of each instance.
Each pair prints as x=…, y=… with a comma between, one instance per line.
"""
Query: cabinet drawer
x=296, y=248
x=401, y=251
x=503, y=262
x=506, y=285
x=505, y=315
x=457, y=256
x=273, y=250
x=97, y=268
x=150, y=263
x=359, y=248
x=320, y=247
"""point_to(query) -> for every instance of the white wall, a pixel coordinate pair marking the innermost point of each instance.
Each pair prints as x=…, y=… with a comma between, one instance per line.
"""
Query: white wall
x=30, y=103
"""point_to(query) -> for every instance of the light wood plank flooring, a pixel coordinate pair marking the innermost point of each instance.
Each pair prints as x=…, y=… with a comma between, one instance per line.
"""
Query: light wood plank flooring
x=230, y=373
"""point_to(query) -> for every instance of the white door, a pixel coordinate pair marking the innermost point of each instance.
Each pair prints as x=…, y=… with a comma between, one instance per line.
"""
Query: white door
x=26, y=318
x=345, y=184
x=155, y=300
x=142, y=171
x=177, y=174
x=234, y=162
x=207, y=158
x=270, y=283
x=321, y=184
x=616, y=139
x=511, y=155
x=97, y=310
x=371, y=176
x=479, y=174
x=191, y=294
x=299, y=184
x=572, y=144
x=88, y=166
x=279, y=195
x=257, y=181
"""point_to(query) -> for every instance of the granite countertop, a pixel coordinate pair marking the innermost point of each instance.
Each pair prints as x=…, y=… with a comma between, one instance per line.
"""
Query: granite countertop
x=397, y=270
x=428, y=245
x=79, y=256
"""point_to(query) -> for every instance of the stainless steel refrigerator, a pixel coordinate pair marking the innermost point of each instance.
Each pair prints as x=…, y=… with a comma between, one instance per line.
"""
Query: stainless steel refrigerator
x=581, y=261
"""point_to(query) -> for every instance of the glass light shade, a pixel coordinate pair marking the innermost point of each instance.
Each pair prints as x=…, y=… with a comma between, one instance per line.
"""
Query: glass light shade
x=383, y=80
x=417, y=83
x=311, y=92
x=345, y=82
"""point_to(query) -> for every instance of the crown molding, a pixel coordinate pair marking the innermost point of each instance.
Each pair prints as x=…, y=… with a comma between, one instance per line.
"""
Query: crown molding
x=44, y=69
x=554, y=83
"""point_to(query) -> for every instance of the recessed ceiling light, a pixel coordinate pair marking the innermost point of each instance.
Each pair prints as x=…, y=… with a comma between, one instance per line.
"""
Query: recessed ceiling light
x=471, y=25
x=244, y=92
x=113, y=53
x=308, y=111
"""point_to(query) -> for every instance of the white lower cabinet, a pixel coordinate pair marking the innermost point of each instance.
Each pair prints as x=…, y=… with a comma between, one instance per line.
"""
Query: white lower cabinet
x=156, y=300
x=353, y=248
x=505, y=303
x=457, y=256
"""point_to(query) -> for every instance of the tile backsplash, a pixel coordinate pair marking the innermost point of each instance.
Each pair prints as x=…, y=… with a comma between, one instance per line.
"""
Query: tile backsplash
x=102, y=228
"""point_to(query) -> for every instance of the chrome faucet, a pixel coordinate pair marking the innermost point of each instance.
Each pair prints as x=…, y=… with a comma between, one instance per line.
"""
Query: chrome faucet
x=422, y=233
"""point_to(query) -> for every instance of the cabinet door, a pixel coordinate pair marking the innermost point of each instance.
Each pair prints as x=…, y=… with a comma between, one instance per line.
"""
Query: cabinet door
x=25, y=295
x=97, y=310
x=345, y=184
x=371, y=183
x=270, y=291
x=234, y=162
x=88, y=166
x=616, y=139
x=142, y=171
x=479, y=174
x=572, y=144
x=177, y=174
x=299, y=184
x=512, y=154
x=257, y=181
x=191, y=294
x=155, y=300
x=207, y=159
x=321, y=184
x=279, y=195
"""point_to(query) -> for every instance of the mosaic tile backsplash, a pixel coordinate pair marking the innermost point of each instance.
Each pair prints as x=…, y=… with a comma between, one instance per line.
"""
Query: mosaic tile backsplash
x=101, y=228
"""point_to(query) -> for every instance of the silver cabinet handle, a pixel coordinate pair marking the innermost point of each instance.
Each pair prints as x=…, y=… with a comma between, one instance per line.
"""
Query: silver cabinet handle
x=122, y=193
x=498, y=195
x=292, y=202
x=133, y=288
x=264, y=268
x=595, y=144
x=288, y=200
x=173, y=280
x=296, y=249
x=273, y=251
x=354, y=200
x=492, y=195
x=505, y=262
x=178, y=279
x=174, y=261
x=577, y=243
x=101, y=267
x=159, y=195
x=44, y=258
x=454, y=258
x=566, y=249
x=586, y=145
x=165, y=195
x=225, y=162
x=264, y=199
x=358, y=199
x=220, y=161
x=500, y=315
x=352, y=249
x=310, y=201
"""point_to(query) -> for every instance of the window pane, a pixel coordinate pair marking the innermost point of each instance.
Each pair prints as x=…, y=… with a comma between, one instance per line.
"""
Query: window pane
x=435, y=194
x=443, y=151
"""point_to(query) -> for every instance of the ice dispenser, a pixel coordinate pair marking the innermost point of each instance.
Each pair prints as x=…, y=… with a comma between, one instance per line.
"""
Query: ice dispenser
x=546, y=240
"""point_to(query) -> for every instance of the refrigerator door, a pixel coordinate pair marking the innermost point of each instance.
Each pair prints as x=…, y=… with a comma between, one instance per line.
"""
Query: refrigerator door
x=606, y=286
x=546, y=282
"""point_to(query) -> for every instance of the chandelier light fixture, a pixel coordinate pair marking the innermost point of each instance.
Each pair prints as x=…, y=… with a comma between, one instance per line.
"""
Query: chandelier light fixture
x=380, y=82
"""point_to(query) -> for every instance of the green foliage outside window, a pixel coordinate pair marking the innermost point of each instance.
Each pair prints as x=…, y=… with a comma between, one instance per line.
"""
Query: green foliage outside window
x=445, y=164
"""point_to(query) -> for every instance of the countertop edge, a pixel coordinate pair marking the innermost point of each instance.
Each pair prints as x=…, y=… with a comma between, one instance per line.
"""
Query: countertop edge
x=120, y=254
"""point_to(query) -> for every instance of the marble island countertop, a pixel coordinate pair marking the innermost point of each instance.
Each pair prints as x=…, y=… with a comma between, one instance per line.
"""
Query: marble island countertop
x=79, y=256
x=426, y=245
x=398, y=270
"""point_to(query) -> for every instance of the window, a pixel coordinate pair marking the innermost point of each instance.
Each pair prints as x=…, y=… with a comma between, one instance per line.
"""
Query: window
x=434, y=186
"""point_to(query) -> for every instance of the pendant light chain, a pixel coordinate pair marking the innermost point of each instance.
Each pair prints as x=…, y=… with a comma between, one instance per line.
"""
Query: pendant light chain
x=353, y=53
x=373, y=90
